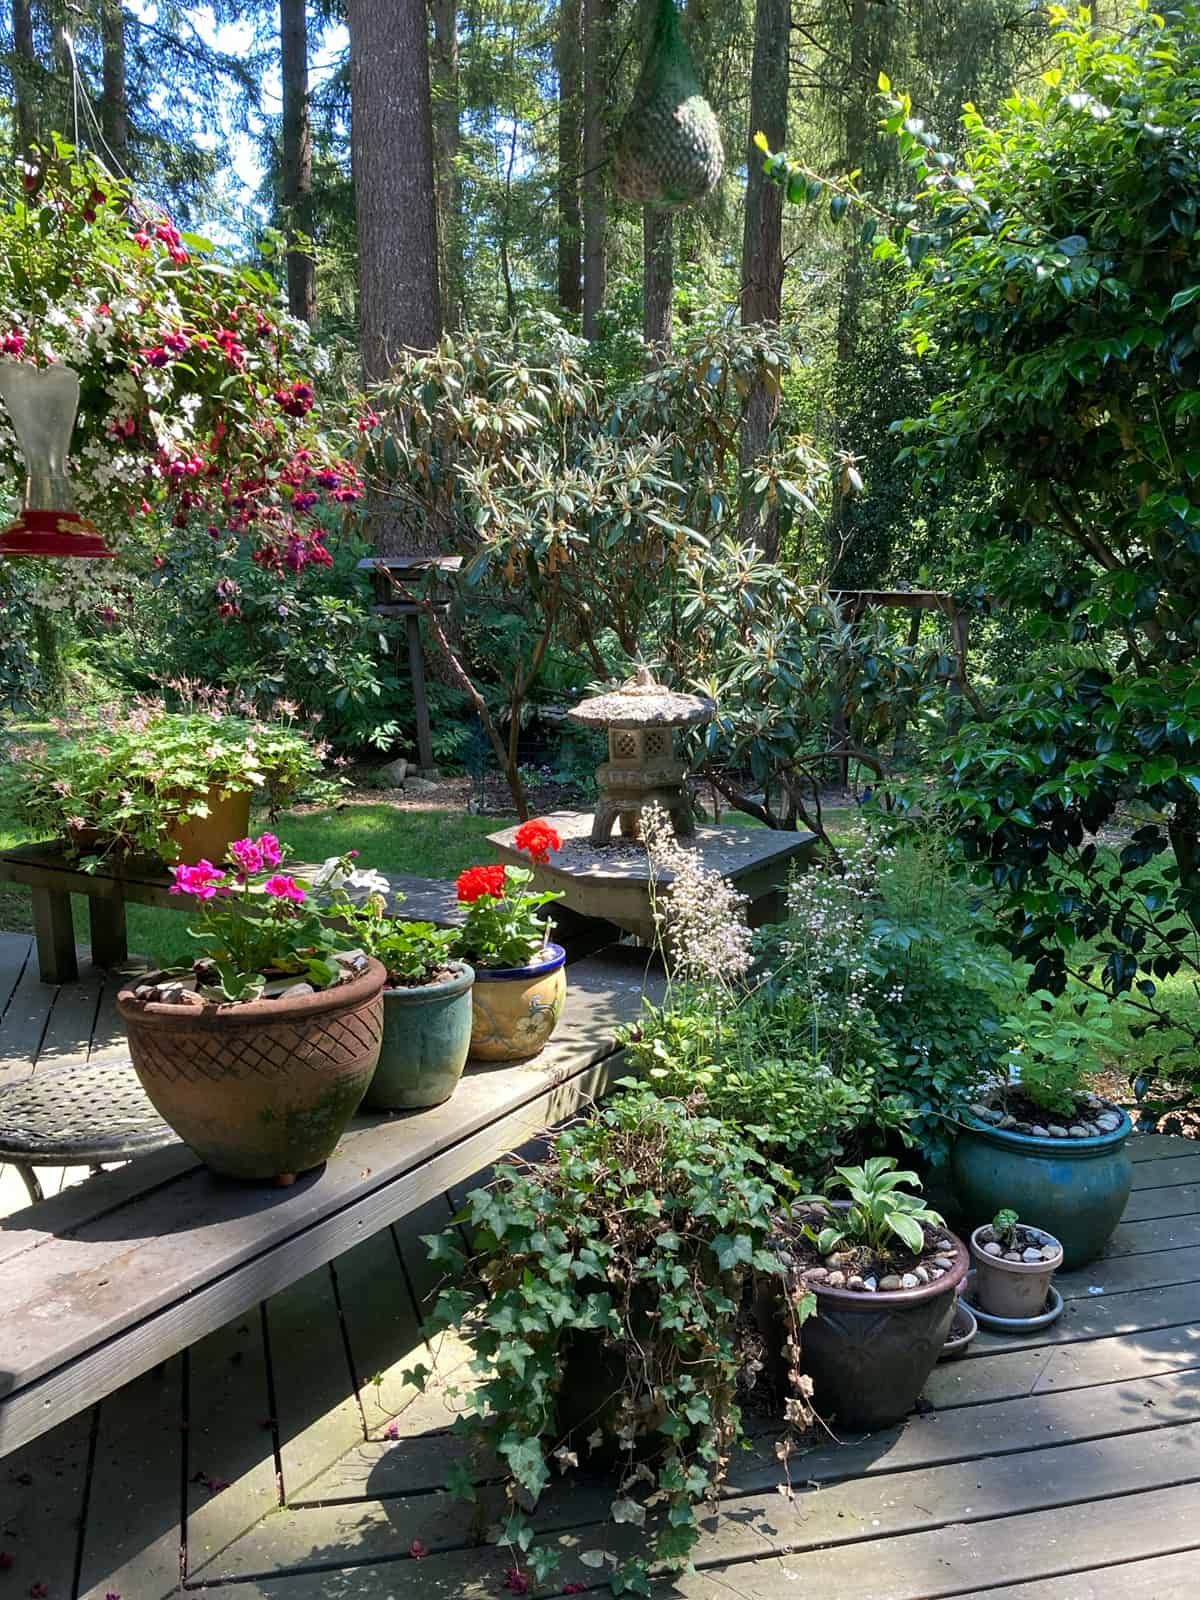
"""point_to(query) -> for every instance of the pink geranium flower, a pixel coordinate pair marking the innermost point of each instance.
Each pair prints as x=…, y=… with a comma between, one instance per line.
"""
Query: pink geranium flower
x=272, y=854
x=283, y=887
x=245, y=853
x=203, y=880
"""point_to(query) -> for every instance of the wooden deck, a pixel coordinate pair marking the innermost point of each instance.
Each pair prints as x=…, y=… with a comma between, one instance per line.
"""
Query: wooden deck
x=282, y=1457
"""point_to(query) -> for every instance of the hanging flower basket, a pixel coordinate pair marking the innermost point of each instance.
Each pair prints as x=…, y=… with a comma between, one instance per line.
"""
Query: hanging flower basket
x=42, y=403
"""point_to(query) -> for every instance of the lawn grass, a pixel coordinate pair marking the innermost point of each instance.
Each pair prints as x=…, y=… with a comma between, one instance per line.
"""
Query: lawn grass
x=425, y=844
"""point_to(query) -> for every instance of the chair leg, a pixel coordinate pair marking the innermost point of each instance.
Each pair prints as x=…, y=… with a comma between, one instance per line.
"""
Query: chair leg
x=31, y=1181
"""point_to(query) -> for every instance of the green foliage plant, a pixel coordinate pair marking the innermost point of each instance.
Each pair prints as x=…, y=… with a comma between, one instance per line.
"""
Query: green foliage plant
x=414, y=953
x=1004, y=1228
x=628, y=1252
x=114, y=781
x=880, y=1214
x=1056, y=1042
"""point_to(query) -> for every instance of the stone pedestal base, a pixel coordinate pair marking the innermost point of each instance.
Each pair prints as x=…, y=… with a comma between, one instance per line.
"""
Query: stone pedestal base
x=626, y=792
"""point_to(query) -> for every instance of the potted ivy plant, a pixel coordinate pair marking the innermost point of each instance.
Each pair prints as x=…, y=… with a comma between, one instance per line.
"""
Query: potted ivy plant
x=148, y=781
x=520, y=985
x=884, y=1271
x=1040, y=1141
x=1014, y=1263
x=260, y=1054
x=623, y=1345
x=426, y=1008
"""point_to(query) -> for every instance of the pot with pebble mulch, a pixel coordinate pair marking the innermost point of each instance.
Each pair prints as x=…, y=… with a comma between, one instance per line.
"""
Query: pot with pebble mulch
x=1014, y=1263
x=884, y=1271
x=1072, y=1171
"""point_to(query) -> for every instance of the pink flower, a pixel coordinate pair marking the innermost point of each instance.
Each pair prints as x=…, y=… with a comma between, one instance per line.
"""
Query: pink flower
x=516, y=1581
x=13, y=344
x=271, y=853
x=417, y=1550
x=178, y=254
x=245, y=854
x=283, y=887
x=178, y=342
x=202, y=880
x=157, y=357
x=166, y=233
x=142, y=239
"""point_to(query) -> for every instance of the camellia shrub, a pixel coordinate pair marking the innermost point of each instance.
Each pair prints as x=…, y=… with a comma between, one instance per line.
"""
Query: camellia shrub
x=1056, y=279
x=198, y=394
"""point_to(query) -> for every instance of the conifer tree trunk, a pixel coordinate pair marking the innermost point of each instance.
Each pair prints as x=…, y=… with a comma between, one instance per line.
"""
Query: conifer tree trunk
x=391, y=144
x=114, y=107
x=447, y=139
x=762, y=238
x=595, y=211
x=569, y=60
x=297, y=155
x=658, y=277
x=25, y=68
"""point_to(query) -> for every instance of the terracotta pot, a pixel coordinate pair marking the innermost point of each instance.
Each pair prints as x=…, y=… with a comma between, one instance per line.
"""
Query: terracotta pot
x=1013, y=1289
x=426, y=1036
x=264, y=1089
x=208, y=838
x=516, y=1009
x=869, y=1354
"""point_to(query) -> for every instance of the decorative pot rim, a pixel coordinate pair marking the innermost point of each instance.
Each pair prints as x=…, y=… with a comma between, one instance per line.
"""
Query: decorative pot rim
x=899, y=1299
x=1021, y=1268
x=413, y=994
x=214, y=1016
x=539, y=969
x=1030, y=1144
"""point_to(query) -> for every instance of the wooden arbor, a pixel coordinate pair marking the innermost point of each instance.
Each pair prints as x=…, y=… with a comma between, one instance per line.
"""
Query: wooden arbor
x=852, y=603
x=411, y=567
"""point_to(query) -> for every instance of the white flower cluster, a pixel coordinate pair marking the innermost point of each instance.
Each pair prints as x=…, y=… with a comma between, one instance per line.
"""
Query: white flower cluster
x=701, y=918
x=830, y=949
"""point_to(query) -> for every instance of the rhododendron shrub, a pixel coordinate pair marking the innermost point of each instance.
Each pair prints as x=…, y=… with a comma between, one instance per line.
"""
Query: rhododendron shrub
x=198, y=393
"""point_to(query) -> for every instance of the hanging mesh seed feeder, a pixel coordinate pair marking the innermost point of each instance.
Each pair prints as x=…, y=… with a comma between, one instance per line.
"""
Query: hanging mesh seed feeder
x=668, y=149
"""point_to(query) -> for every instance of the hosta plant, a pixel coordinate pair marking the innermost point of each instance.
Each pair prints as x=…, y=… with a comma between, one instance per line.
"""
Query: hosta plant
x=605, y=1291
x=881, y=1216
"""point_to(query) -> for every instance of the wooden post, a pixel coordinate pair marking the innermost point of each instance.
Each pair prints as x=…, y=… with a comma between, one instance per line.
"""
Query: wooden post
x=110, y=940
x=55, y=933
x=416, y=666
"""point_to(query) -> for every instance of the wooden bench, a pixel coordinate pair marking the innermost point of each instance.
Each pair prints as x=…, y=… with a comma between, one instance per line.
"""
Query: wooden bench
x=51, y=877
x=109, y=1278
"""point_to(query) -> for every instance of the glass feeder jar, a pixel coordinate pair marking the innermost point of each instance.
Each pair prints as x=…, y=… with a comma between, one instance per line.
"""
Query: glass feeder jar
x=42, y=403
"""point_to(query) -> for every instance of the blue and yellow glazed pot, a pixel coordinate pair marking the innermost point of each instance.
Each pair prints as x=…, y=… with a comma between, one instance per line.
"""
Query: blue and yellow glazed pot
x=516, y=1009
x=1076, y=1189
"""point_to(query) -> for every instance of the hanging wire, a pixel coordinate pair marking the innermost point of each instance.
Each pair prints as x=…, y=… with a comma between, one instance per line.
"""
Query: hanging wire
x=80, y=96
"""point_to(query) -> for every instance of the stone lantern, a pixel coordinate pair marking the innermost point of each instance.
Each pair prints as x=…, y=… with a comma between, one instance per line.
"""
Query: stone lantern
x=643, y=768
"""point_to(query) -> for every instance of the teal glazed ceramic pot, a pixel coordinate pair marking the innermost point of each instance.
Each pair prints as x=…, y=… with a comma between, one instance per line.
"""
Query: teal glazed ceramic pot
x=1076, y=1189
x=426, y=1036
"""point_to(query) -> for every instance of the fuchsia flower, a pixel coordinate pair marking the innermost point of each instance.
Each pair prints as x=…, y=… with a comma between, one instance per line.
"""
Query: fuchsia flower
x=157, y=357
x=177, y=342
x=283, y=887
x=13, y=344
x=142, y=239
x=203, y=880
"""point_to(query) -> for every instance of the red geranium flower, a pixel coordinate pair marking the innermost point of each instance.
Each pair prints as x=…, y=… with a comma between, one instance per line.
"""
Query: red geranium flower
x=538, y=838
x=475, y=882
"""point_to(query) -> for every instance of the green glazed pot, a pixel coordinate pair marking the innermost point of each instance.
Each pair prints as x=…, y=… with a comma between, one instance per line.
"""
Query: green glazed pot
x=1074, y=1188
x=426, y=1036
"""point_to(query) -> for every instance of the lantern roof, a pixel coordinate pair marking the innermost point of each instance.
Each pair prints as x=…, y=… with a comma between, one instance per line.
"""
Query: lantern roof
x=642, y=702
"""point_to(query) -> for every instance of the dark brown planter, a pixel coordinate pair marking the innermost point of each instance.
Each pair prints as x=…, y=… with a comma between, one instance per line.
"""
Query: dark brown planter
x=869, y=1354
x=264, y=1089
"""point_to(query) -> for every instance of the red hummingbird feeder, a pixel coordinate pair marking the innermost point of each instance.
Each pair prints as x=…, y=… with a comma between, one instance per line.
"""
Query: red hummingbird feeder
x=43, y=403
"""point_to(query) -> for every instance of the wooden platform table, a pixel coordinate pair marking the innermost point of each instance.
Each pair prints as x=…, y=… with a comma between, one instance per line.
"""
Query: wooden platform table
x=52, y=877
x=613, y=882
